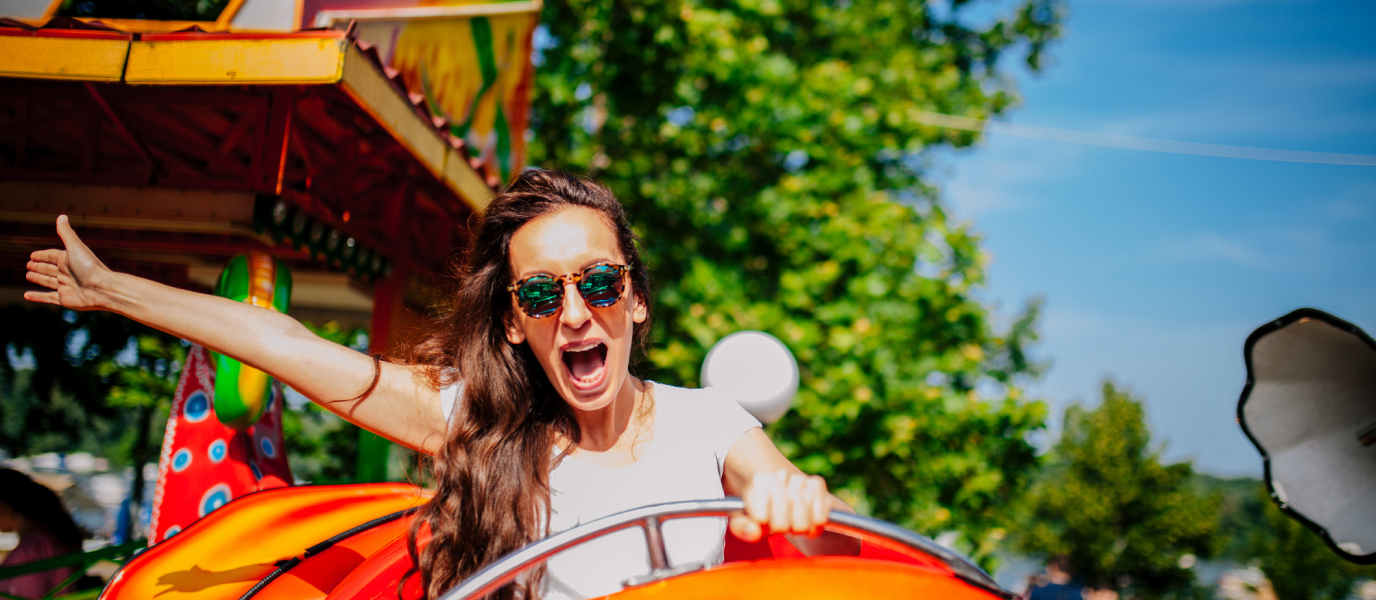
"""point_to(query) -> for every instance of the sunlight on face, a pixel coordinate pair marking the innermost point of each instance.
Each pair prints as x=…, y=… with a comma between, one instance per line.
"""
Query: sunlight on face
x=585, y=351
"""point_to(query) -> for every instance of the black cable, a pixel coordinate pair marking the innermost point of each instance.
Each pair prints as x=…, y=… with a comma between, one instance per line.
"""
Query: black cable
x=286, y=565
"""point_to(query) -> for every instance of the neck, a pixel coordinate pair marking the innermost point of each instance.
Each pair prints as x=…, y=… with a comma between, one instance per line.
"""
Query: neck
x=600, y=430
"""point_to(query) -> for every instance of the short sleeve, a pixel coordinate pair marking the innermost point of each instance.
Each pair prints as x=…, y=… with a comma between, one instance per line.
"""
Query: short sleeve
x=722, y=422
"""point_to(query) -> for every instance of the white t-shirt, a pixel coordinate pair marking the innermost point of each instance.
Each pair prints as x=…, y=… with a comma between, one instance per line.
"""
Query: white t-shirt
x=693, y=431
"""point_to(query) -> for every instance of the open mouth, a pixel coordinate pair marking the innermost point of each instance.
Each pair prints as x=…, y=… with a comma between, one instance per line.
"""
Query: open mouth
x=586, y=364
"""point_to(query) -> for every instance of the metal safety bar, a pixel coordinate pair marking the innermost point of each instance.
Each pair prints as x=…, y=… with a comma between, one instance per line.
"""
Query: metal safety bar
x=650, y=518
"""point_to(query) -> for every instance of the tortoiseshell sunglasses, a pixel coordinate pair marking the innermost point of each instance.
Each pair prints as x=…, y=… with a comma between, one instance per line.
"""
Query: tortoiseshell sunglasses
x=542, y=295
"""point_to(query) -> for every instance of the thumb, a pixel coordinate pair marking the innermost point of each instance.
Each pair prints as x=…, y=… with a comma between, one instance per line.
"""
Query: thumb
x=745, y=528
x=68, y=235
x=75, y=247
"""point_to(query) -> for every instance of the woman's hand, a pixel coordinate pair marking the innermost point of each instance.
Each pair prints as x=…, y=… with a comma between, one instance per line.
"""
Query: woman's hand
x=782, y=502
x=75, y=273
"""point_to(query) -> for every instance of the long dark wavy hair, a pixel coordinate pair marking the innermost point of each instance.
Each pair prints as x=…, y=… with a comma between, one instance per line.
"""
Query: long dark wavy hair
x=40, y=505
x=492, y=473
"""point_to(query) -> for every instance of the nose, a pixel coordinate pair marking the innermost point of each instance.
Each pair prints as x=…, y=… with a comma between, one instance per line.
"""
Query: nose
x=576, y=312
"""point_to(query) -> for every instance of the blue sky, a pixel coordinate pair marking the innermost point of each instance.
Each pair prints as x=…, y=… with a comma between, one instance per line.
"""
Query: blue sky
x=1155, y=267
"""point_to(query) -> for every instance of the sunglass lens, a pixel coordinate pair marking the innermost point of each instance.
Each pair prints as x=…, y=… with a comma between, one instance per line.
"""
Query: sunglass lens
x=601, y=285
x=540, y=297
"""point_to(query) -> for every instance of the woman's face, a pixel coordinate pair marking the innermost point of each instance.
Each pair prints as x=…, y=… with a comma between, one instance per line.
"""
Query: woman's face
x=585, y=351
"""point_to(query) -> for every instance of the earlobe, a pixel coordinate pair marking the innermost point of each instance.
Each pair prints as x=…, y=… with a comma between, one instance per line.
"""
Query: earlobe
x=514, y=333
x=641, y=312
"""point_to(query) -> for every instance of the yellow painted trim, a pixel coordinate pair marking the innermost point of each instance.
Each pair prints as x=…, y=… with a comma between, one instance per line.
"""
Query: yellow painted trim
x=227, y=15
x=469, y=185
x=375, y=94
x=73, y=59
x=210, y=61
x=326, y=18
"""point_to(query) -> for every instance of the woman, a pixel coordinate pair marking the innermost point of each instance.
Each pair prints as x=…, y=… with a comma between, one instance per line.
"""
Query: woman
x=522, y=392
x=45, y=530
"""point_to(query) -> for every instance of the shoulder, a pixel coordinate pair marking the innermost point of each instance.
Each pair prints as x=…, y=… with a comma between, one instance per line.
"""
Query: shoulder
x=702, y=410
x=703, y=402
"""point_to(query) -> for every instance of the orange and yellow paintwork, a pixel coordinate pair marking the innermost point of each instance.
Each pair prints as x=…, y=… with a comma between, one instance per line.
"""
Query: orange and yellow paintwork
x=814, y=578
x=63, y=54
x=230, y=550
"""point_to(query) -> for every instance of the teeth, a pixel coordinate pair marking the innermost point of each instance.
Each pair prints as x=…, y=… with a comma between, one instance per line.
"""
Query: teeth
x=584, y=348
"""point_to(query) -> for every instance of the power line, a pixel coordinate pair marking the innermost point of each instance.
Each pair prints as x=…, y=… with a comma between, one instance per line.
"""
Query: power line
x=1128, y=142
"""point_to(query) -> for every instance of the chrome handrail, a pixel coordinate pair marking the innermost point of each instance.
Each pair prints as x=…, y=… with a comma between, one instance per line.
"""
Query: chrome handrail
x=649, y=518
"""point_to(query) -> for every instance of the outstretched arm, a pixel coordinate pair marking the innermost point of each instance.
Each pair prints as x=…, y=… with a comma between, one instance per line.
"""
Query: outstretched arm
x=402, y=408
x=780, y=498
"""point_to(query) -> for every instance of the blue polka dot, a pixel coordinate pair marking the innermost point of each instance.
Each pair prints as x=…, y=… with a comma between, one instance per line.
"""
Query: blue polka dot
x=257, y=473
x=181, y=460
x=215, y=498
x=171, y=531
x=217, y=450
x=197, y=407
x=269, y=450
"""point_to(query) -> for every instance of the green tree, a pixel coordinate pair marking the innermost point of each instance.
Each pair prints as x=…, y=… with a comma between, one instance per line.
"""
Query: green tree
x=1126, y=521
x=56, y=377
x=321, y=446
x=167, y=10
x=100, y=383
x=772, y=154
x=1240, y=514
x=144, y=387
x=1298, y=563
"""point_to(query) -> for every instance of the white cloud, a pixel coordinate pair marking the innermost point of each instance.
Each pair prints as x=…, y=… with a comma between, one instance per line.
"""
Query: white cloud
x=1353, y=203
x=1348, y=209
x=1211, y=247
x=996, y=176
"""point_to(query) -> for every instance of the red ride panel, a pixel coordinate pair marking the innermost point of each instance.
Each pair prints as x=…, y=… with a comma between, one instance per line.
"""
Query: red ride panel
x=204, y=464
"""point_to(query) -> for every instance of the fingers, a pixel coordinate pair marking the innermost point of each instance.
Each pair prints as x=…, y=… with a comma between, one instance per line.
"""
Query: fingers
x=47, y=281
x=800, y=515
x=786, y=503
x=819, y=503
x=49, y=256
x=42, y=297
x=780, y=501
x=757, y=498
x=43, y=268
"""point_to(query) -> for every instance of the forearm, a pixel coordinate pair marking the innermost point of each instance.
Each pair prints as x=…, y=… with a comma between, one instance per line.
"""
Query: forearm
x=264, y=339
x=400, y=407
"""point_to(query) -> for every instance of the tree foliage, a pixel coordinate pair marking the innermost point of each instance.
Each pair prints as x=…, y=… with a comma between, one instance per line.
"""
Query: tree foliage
x=68, y=364
x=1296, y=560
x=1106, y=501
x=166, y=10
x=97, y=382
x=771, y=154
